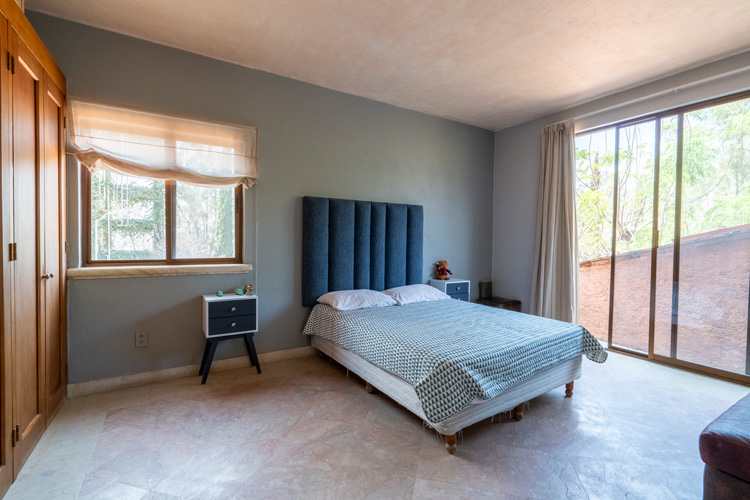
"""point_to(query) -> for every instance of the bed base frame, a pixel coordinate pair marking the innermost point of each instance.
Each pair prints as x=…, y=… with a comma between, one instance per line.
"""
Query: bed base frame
x=450, y=439
x=400, y=391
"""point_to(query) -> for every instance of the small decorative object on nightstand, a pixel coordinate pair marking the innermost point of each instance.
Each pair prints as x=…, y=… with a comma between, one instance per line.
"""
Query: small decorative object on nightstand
x=441, y=270
x=456, y=288
x=229, y=317
x=501, y=303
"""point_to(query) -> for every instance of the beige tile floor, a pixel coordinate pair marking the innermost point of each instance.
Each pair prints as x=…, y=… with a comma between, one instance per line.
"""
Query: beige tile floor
x=303, y=429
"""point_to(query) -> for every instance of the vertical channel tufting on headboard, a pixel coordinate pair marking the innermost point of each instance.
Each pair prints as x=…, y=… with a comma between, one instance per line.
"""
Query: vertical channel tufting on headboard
x=341, y=229
x=395, y=245
x=348, y=244
x=314, y=249
x=362, y=218
x=377, y=247
x=414, y=225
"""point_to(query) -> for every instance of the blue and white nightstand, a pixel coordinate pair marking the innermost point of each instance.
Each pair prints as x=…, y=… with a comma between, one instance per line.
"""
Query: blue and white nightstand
x=456, y=288
x=229, y=317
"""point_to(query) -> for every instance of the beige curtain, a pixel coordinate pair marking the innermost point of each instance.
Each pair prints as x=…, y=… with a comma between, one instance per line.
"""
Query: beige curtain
x=143, y=144
x=554, y=290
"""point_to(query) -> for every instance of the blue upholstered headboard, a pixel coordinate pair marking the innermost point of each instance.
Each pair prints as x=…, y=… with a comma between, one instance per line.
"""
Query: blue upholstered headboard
x=348, y=244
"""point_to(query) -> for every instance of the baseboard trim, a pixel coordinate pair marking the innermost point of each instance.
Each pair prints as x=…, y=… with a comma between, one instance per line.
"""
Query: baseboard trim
x=106, y=384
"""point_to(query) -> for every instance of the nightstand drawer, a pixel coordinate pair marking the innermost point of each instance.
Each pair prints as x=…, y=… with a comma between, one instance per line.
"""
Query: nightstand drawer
x=460, y=296
x=229, y=308
x=454, y=288
x=221, y=326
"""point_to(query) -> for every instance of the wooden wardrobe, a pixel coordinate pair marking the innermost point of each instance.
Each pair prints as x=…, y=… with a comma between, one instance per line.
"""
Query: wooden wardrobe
x=33, y=331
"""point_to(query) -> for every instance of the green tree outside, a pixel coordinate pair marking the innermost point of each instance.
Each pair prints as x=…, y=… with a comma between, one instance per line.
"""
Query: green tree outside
x=715, y=180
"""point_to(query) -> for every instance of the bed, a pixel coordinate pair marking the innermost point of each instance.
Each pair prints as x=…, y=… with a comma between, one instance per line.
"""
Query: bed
x=449, y=362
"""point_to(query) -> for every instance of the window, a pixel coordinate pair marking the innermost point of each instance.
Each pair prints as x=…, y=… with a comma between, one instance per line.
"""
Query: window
x=158, y=189
x=129, y=221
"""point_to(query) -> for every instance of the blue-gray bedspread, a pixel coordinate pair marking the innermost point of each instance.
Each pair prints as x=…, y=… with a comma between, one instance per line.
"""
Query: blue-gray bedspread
x=453, y=351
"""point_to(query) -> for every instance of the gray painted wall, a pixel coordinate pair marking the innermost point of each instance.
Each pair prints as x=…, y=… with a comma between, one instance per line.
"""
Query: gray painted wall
x=313, y=141
x=517, y=158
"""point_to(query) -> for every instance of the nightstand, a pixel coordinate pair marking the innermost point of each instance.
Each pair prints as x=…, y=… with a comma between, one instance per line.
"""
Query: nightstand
x=501, y=303
x=456, y=288
x=229, y=317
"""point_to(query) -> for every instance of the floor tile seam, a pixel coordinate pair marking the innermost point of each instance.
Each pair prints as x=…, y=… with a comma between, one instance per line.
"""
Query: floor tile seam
x=640, y=451
x=338, y=474
x=481, y=490
x=56, y=458
x=578, y=475
x=639, y=459
x=405, y=434
x=346, y=461
x=655, y=477
x=148, y=489
x=674, y=493
x=284, y=436
x=496, y=475
x=336, y=390
x=12, y=495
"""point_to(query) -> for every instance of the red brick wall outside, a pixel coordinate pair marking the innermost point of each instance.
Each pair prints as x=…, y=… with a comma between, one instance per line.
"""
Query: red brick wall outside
x=713, y=300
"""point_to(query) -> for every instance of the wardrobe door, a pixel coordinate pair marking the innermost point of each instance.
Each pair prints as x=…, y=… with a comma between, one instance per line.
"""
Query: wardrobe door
x=28, y=343
x=53, y=279
x=6, y=192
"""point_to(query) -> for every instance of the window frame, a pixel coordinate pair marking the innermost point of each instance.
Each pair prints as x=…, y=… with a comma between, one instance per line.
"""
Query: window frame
x=170, y=193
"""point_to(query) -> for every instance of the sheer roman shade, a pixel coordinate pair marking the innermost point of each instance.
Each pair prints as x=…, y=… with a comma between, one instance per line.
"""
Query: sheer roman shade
x=163, y=147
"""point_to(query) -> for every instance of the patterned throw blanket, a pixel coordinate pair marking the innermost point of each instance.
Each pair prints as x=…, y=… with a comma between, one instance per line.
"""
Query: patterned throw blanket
x=453, y=351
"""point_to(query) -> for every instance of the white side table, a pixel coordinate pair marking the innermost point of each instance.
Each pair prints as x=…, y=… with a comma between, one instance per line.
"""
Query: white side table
x=229, y=317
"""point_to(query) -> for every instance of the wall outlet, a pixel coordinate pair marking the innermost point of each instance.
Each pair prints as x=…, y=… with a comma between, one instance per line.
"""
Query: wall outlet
x=141, y=339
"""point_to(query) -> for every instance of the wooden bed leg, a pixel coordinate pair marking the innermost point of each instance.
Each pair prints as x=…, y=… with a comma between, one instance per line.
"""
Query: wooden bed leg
x=569, y=389
x=450, y=443
x=518, y=412
x=369, y=388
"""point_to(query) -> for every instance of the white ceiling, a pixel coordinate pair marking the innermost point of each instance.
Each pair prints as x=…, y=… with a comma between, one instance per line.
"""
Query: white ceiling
x=488, y=63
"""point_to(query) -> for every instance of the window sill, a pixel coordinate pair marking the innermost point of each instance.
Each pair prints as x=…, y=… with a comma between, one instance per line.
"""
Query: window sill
x=92, y=273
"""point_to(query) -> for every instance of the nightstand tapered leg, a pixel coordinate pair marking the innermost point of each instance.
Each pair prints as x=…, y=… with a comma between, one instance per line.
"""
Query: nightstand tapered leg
x=248, y=338
x=209, y=359
x=205, y=357
x=251, y=351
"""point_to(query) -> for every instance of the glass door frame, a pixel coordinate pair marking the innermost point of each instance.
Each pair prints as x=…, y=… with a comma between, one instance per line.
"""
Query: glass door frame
x=672, y=359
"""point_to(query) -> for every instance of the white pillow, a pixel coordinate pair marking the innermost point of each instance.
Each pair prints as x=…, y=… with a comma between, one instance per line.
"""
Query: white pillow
x=345, y=300
x=415, y=293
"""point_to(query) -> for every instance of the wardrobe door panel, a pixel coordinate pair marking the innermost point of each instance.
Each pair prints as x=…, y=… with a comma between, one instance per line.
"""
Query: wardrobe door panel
x=53, y=278
x=28, y=343
x=6, y=191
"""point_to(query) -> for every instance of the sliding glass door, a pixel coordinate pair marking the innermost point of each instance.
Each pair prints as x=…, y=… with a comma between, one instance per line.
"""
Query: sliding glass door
x=664, y=300
x=632, y=235
x=713, y=229
x=671, y=194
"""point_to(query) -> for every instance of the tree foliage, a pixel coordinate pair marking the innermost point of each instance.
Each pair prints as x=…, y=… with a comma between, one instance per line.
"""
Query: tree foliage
x=715, y=179
x=128, y=219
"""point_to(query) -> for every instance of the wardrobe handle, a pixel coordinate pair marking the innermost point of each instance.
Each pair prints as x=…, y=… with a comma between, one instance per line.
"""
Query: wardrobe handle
x=48, y=276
